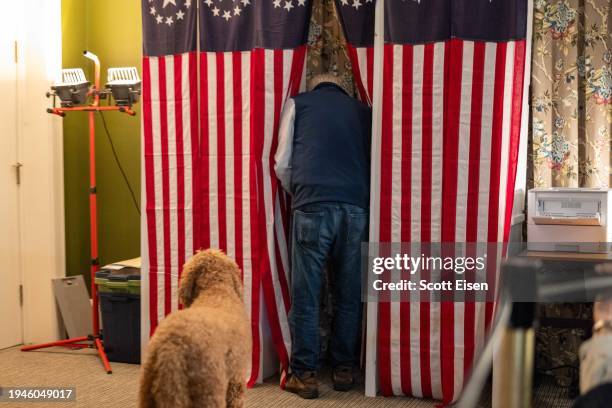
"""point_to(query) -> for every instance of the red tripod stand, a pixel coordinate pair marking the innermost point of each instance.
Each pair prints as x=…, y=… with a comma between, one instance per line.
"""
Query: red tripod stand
x=95, y=339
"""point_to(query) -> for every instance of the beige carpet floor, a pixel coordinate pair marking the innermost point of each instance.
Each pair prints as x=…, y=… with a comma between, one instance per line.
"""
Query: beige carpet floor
x=94, y=388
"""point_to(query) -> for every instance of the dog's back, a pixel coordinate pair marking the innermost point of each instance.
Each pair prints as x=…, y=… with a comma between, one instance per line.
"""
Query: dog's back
x=199, y=356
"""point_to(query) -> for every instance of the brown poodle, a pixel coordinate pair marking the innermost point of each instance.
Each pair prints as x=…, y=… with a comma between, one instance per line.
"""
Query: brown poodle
x=199, y=356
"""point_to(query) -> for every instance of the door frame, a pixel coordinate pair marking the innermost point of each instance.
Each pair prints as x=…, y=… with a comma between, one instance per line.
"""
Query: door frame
x=12, y=309
x=40, y=149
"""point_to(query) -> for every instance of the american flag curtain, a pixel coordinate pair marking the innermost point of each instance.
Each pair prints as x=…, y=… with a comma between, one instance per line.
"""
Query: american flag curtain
x=251, y=58
x=444, y=170
x=171, y=153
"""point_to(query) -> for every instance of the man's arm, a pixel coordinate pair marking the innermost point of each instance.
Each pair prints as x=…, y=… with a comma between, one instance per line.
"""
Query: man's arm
x=282, y=158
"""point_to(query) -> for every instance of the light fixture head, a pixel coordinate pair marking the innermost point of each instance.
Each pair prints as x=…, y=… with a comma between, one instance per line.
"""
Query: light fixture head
x=73, y=88
x=124, y=84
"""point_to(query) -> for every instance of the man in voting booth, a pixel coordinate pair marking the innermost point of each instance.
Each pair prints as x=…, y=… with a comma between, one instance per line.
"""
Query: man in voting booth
x=323, y=161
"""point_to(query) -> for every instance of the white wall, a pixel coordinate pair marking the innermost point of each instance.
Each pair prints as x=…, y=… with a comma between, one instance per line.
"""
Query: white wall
x=40, y=151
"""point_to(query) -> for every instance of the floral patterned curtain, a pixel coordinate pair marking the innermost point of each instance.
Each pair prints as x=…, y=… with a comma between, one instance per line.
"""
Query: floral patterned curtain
x=327, y=45
x=571, y=93
x=571, y=122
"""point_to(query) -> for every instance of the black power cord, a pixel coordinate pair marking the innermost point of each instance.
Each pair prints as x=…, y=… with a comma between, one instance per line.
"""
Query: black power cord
x=112, y=145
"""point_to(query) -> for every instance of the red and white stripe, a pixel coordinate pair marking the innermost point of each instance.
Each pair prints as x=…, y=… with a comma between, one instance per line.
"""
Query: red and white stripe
x=244, y=213
x=362, y=63
x=279, y=76
x=220, y=157
x=170, y=147
x=448, y=154
x=228, y=177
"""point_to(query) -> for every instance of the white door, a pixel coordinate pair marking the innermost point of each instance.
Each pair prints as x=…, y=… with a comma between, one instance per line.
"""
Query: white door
x=10, y=275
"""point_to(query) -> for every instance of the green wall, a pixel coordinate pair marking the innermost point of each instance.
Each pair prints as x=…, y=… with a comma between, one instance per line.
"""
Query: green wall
x=110, y=29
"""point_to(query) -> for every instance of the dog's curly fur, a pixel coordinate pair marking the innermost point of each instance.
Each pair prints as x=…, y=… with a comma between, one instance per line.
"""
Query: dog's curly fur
x=199, y=356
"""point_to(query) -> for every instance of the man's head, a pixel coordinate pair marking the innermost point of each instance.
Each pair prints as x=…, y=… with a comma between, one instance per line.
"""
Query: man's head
x=330, y=78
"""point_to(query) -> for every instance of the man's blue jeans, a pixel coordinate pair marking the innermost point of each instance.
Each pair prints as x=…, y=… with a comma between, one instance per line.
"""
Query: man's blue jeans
x=322, y=232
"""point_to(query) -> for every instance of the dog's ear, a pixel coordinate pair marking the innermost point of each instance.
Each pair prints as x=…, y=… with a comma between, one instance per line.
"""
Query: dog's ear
x=188, y=289
x=237, y=282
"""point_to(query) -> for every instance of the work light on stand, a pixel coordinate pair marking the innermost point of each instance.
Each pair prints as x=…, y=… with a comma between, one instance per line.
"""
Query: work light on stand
x=124, y=84
x=76, y=95
x=73, y=88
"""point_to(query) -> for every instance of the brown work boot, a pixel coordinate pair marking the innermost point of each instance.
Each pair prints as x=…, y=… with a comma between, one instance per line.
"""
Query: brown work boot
x=306, y=385
x=343, y=378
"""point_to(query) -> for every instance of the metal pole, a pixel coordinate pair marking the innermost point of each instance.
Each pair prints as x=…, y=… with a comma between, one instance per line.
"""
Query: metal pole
x=512, y=382
x=93, y=221
x=371, y=368
x=93, y=201
x=513, y=363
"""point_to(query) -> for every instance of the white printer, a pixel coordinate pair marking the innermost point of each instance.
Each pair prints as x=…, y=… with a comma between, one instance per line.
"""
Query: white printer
x=569, y=220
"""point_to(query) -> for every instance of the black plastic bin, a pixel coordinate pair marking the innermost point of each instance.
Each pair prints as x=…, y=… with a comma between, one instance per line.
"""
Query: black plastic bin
x=121, y=326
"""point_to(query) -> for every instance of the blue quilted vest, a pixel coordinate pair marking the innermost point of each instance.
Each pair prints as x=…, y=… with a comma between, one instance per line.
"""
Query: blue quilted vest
x=331, y=148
